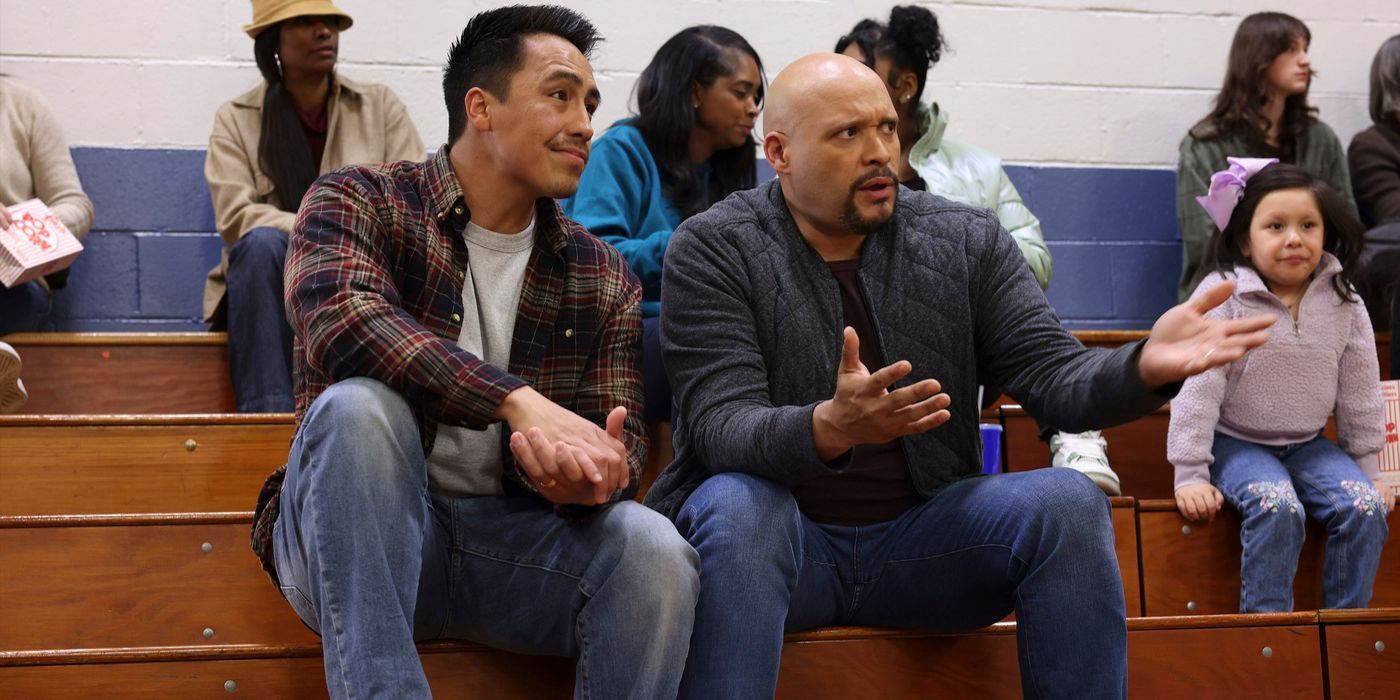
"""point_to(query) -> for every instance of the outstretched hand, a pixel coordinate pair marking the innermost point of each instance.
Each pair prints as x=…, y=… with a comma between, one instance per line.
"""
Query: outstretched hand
x=1185, y=342
x=864, y=411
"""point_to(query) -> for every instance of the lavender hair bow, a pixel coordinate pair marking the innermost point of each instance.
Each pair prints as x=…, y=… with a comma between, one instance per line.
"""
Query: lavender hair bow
x=1227, y=188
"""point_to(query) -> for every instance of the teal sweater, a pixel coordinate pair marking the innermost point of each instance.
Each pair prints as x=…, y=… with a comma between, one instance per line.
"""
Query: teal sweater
x=621, y=200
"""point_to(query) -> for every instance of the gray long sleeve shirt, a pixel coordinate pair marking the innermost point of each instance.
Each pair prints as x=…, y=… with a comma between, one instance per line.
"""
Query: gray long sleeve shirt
x=751, y=336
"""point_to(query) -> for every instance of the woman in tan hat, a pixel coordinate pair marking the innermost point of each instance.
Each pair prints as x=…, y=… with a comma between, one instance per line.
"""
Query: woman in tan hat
x=268, y=145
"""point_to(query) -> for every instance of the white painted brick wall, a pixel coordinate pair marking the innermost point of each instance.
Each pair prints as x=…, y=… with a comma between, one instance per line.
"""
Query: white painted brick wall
x=1091, y=82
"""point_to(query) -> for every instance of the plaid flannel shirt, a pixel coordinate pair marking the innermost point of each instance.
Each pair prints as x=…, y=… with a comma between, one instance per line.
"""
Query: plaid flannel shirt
x=374, y=278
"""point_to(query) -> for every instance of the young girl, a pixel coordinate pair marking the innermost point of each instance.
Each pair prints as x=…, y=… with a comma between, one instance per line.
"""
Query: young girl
x=1262, y=111
x=1250, y=432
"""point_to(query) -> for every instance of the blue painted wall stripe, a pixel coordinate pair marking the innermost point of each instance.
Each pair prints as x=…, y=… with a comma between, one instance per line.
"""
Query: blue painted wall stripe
x=1112, y=233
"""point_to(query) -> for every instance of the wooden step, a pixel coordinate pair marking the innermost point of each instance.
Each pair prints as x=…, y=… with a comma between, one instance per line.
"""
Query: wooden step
x=1363, y=652
x=1113, y=339
x=118, y=373
x=138, y=464
x=1194, y=568
x=138, y=581
x=1275, y=656
x=85, y=373
x=190, y=579
x=1137, y=450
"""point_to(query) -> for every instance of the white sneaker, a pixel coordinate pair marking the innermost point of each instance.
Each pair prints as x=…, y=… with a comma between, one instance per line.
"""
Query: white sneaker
x=1086, y=452
x=12, y=393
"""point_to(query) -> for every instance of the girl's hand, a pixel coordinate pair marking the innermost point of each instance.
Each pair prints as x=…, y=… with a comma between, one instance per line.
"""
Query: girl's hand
x=1387, y=498
x=1199, y=501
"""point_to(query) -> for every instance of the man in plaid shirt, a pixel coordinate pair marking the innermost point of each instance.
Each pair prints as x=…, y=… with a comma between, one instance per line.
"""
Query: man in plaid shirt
x=469, y=406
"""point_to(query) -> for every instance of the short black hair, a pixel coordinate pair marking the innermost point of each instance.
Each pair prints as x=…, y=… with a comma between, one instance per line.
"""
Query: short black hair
x=490, y=51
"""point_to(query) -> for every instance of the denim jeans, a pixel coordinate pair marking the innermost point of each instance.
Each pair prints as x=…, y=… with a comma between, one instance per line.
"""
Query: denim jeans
x=373, y=561
x=24, y=309
x=1038, y=542
x=259, y=339
x=1275, y=489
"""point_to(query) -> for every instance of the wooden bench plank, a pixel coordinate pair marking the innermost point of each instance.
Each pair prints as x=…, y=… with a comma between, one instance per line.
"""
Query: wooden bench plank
x=1363, y=660
x=1168, y=657
x=1137, y=450
x=145, y=581
x=1113, y=339
x=139, y=585
x=1125, y=545
x=1190, y=567
x=129, y=464
x=84, y=373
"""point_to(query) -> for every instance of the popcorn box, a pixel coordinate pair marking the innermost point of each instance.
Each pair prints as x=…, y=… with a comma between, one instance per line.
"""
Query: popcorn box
x=1390, y=453
x=35, y=244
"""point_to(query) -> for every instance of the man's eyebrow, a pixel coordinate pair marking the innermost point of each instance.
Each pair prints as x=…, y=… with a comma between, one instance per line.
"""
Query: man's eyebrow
x=573, y=78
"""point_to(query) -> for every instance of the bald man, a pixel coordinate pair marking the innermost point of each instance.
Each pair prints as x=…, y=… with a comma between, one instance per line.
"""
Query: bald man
x=822, y=334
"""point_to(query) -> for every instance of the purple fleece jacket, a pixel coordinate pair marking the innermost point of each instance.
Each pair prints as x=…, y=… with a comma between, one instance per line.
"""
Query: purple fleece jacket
x=1282, y=392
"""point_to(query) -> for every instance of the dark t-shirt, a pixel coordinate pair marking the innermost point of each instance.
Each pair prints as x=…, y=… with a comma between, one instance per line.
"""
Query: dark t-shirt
x=875, y=487
x=314, y=125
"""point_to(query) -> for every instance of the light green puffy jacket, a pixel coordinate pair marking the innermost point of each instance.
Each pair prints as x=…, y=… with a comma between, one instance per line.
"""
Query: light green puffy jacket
x=965, y=173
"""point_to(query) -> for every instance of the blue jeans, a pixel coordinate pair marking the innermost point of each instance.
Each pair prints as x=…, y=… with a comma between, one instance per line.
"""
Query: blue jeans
x=259, y=339
x=1038, y=542
x=24, y=309
x=373, y=561
x=1275, y=489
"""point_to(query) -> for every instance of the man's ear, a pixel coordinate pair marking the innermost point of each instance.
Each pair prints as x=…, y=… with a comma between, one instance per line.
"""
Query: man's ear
x=775, y=150
x=479, y=104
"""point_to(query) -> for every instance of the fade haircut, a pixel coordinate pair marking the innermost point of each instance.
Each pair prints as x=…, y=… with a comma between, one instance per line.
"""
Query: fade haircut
x=491, y=50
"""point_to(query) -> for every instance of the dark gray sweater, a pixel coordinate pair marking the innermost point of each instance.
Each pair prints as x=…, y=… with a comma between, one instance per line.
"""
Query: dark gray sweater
x=751, y=336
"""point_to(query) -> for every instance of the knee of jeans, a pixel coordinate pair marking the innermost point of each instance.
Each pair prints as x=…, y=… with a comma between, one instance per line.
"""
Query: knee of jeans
x=1067, y=499
x=1274, y=502
x=747, y=513
x=364, y=409
x=658, y=564
x=1362, y=512
x=260, y=248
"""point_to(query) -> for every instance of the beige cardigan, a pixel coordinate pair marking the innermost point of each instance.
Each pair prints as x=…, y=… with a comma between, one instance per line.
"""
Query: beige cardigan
x=367, y=125
x=34, y=159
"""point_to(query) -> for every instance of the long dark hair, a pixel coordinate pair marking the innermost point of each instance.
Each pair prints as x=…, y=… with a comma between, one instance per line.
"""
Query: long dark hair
x=666, y=115
x=1342, y=233
x=911, y=41
x=284, y=154
x=1239, y=108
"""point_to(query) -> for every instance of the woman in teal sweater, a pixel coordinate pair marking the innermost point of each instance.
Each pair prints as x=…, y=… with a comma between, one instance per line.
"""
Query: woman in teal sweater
x=690, y=145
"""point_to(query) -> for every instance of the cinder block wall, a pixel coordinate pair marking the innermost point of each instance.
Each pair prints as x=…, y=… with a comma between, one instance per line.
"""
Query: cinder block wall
x=1085, y=99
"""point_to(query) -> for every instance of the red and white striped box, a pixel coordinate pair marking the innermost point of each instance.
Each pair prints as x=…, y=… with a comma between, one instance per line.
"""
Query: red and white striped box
x=35, y=244
x=1390, y=453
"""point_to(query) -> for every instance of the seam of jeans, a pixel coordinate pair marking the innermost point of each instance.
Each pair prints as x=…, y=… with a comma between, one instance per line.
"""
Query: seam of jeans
x=332, y=606
x=1336, y=512
x=1007, y=547
x=521, y=563
x=1023, y=624
x=582, y=665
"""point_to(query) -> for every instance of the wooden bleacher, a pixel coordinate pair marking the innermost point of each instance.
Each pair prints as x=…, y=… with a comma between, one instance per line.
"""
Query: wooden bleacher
x=127, y=572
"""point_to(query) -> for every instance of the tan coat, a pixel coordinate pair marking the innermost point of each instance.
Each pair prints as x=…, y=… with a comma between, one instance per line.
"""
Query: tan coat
x=367, y=125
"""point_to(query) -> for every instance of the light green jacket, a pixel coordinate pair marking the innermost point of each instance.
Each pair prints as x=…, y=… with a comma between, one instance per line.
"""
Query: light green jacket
x=965, y=173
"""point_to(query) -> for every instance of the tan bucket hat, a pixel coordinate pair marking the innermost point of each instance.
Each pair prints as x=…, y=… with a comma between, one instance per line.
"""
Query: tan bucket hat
x=269, y=12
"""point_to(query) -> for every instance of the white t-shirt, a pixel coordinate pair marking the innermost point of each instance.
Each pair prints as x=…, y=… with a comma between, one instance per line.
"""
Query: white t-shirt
x=468, y=462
